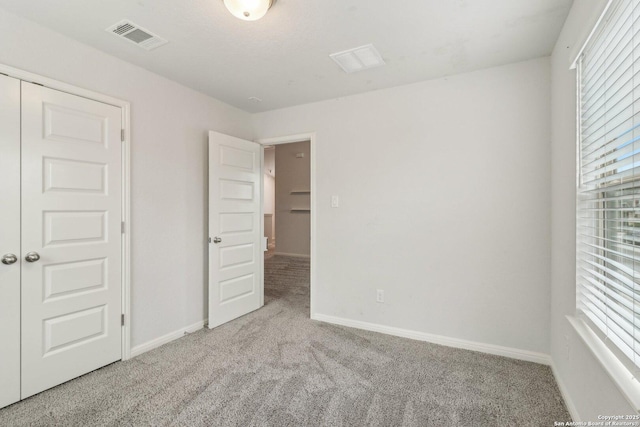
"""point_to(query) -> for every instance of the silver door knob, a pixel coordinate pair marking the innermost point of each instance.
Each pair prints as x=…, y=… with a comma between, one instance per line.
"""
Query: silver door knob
x=32, y=257
x=9, y=259
x=217, y=240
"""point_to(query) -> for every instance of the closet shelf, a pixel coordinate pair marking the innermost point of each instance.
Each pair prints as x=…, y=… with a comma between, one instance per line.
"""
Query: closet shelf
x=300, y=192
x=300, y=210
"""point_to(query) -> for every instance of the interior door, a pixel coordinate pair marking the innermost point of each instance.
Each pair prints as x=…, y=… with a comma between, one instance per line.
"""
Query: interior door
x=9, y=240
x=234, y=228
x=71, y=236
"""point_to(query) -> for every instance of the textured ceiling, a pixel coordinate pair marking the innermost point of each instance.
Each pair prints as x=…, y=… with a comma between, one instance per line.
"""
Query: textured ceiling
x=283, y=59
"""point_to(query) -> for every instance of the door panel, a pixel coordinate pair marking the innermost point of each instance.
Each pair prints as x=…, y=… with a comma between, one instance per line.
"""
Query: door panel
x=9, y=240
x=74, y=176
x=68, y=278
x=234, y=218
x=71, y=214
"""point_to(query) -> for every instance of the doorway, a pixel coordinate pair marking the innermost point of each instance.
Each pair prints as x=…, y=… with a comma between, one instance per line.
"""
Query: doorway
x=288, y=220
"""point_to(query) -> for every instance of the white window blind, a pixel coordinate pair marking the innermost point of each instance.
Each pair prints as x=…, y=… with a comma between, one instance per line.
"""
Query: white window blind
x=608, y=210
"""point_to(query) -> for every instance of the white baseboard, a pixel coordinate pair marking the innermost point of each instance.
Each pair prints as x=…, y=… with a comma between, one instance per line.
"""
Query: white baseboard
x=155, y=343
x=565, y=395
x=292, y=255
x=513, y=353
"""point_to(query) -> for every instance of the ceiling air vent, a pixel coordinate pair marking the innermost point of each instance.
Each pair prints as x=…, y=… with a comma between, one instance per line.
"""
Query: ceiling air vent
x=137, y=35
x=358, y=59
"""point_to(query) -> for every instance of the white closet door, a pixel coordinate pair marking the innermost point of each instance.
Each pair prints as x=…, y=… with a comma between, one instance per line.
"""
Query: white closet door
x=9, y=240
x=71, y=217
x=234, y=226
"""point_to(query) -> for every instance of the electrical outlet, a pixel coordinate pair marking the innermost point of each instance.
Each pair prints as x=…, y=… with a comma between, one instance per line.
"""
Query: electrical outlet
x=379, y=295
x=335, y=202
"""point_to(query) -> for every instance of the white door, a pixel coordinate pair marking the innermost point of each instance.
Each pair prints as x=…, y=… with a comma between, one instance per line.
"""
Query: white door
x=235, y=268
x=71, y=220
x=9, y=240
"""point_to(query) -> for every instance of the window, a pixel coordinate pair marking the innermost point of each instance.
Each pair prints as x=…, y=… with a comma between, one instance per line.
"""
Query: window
x=608, y=209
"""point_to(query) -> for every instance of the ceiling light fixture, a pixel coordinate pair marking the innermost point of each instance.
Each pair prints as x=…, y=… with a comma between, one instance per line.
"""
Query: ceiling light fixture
x=249, y=10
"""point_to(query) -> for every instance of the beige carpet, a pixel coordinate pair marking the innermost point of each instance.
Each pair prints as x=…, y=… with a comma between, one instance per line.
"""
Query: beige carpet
x=276, y=367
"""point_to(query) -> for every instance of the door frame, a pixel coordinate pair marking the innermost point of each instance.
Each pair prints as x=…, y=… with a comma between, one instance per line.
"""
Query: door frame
x=311, y=137
x=126, y=181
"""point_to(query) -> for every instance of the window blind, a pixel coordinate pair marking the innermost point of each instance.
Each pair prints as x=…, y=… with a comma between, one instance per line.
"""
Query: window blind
x=608, y=208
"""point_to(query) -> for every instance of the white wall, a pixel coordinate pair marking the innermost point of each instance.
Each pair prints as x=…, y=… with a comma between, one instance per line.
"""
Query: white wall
x=169, y=168
x=444, y=191
x=591, y=391
x=293, y=230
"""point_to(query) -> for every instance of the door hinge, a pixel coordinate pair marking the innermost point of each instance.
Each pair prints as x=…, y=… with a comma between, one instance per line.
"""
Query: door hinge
x=122, y=228
x=122, y=320
x=122, y=135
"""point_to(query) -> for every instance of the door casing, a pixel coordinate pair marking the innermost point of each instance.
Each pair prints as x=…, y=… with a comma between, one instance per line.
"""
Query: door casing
x=126, y=183
x=311, y=137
